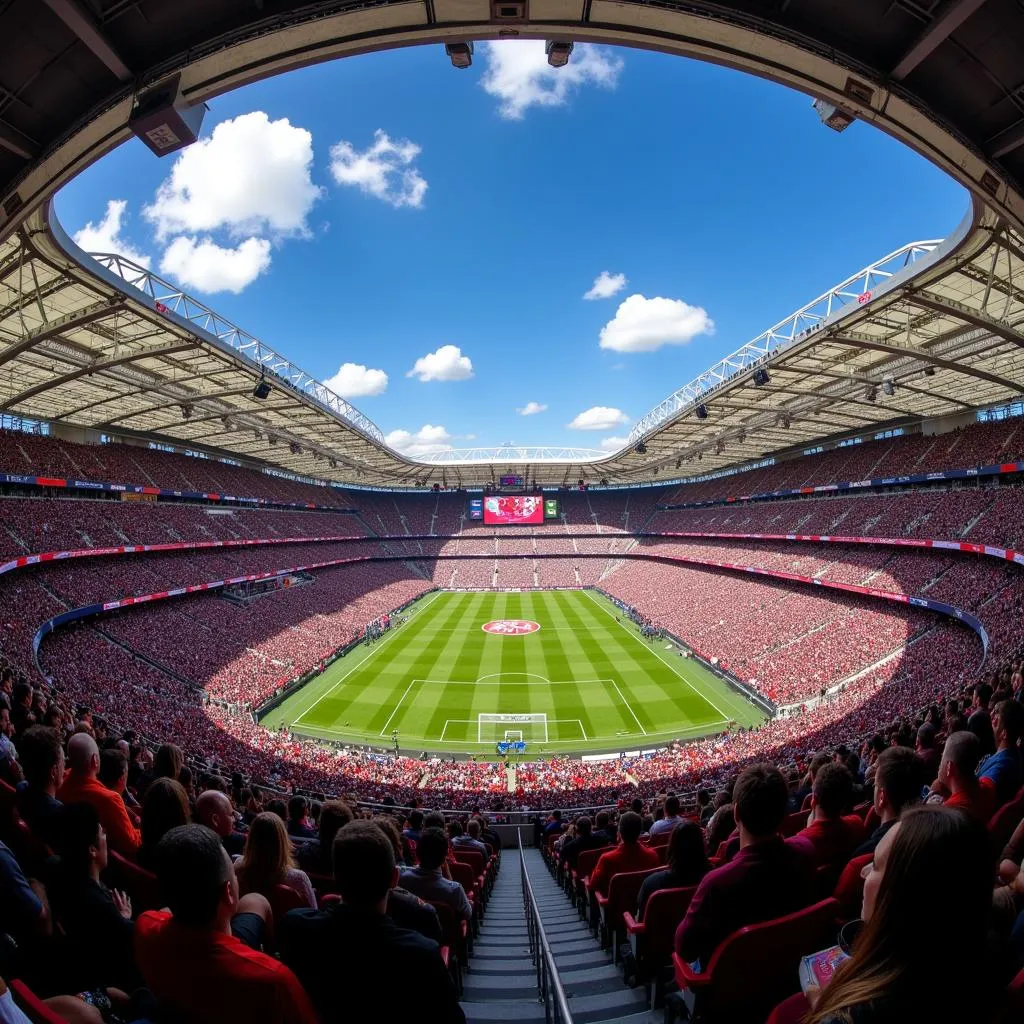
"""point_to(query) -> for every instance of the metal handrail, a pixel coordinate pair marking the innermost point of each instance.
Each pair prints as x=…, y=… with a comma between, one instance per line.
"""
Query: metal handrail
x=549, y=985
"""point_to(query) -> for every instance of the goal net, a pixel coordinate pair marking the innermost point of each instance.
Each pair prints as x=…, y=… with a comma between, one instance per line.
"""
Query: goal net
x=533, y=728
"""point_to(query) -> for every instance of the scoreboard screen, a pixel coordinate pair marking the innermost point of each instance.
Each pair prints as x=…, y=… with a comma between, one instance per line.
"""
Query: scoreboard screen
x=511, y=481
x=475, y=509
x=550, y=508
x=517, y=510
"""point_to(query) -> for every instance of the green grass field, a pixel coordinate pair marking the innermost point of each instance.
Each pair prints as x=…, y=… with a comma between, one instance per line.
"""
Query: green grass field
x=583, y=681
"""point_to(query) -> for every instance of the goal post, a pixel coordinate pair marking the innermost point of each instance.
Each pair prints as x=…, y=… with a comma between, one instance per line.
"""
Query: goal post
x=492, y=727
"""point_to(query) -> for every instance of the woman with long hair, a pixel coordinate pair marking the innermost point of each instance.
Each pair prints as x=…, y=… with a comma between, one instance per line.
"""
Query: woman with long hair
x=164, y=807
x=267, y=861
x=687, y=864
x=921, y=952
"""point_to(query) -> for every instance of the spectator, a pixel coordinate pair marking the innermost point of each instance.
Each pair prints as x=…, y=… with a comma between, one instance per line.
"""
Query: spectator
x=298, y=821
x=979, y=721
x=96, y=921
x=671, y=818
x=926, y=751
x=913, y=920
x=114, y=770
x=831, y=836
x=687, y=864
x=461, y=841
x=10, y=769
x=202, y=960
x=897, y=785
x=165, y=807
x=583, y=837
x=42, y=759
x=354, y=961
x=704, y=805
x=957, y=784
x=767, y=878
x=82, y=785
x=629, y=855
x=426, y=880
x=415, y=825
x=315, y=856
x=603, y=827
x=267, y=861
x=1003, y=768
x=214, y=810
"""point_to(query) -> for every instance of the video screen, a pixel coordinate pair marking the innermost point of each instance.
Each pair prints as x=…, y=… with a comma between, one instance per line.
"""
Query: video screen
x=513, y=510
x=550, y=508
x=511, y=481
x=475, y=509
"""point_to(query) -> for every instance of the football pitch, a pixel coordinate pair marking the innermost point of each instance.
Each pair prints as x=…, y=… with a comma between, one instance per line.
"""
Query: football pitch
x=562, y=671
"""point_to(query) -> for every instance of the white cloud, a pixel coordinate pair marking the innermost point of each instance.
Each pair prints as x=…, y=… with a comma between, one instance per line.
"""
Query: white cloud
x=428, y=438
x=208, y=267
x=518, y=74
x=644, y=325
x=532, y=408
x=106, y=236
x=599, y=417
x=447, y=363
x=353, y=380
x=612, y=444
x=251, y=175
x=384, y=169
x=606, y=285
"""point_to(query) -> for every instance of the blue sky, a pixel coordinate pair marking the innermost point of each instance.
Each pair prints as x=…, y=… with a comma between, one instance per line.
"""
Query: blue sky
x=441, y=227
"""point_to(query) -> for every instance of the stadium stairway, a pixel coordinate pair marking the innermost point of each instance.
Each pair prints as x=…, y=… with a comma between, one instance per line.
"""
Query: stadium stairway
x=501, y=985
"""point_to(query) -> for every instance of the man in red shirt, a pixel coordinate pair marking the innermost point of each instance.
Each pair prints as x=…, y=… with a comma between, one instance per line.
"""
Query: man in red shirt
x=81, y=786
x=958, y=783
x=830, y=836
x=202, y=961
x=769, y=876
x=629, y=855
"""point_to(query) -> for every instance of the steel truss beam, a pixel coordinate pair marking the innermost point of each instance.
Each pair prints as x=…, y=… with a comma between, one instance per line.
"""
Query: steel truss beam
x=950, y=307
x=948, y=17
x=82, y=318
x=97, y=367
x=76, y=19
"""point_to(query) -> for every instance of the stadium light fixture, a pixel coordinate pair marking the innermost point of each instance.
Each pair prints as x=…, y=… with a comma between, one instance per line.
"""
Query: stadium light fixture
x=888, y=388
x=871, y=393
x=460, y=54
x=294, y=448
x=558, y=51
x=641, y=448
x=761, y=377
x=929, y=371
x=832, y=116
x=186, y=411
x=701, y=412
x=262, y=388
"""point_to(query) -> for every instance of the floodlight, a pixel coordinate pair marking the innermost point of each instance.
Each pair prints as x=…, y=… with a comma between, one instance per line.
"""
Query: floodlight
x=461, y=54
x=701, y=412
x=558, y=51
x=888, y=388
x=761, y=377
x=832, y=116
x=262, y=389
x=641, y=448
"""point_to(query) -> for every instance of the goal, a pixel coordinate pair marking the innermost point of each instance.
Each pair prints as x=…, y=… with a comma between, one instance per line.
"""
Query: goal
x=491, y=727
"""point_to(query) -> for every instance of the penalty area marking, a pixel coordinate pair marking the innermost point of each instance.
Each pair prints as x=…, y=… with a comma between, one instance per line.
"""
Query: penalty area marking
x=664, y=661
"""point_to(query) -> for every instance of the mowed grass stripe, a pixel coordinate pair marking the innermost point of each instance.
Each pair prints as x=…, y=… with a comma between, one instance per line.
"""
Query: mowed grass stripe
x=448, y=702
x=570, y=700
x=593, y=640
x=678, y=696
x=427, y=647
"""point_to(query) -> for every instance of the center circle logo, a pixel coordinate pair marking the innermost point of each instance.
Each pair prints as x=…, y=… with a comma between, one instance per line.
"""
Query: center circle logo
x=510, y=627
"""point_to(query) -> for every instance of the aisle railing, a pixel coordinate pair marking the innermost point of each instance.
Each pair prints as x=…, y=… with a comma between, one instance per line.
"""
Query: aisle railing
x=549, y=985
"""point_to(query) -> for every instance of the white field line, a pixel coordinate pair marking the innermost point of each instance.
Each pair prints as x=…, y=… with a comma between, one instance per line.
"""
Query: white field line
x=703, y=696
x=397, y=706
x=360, y=664
x=628, y=707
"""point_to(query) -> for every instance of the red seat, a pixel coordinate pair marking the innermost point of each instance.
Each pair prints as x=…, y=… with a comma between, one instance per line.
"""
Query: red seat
x=623, y=890
x=454, y=935
x=757, y=966
x=794, y=823
x=849, y=890
x=32, y=1006
x=653, y=939
x=1006, y=819
x=140, y=885
x=585, y=864
x=285, y=898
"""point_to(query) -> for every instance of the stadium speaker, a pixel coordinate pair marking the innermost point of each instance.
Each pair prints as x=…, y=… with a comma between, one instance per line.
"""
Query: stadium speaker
x=163, y=120
x=262, y=389
x=761, y=377
x=929, y=371
x=701, y=412
x=641, y=448
x=888, y=388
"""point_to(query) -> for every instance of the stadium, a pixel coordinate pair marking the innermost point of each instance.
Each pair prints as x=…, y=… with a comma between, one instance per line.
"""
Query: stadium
x=730, y=656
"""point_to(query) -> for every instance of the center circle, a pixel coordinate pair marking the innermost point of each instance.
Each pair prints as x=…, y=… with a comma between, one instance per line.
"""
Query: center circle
x=510, y=627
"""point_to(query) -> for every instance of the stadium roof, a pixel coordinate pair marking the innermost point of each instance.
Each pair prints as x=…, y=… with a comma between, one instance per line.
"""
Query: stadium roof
x=930, y=331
